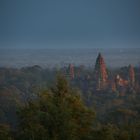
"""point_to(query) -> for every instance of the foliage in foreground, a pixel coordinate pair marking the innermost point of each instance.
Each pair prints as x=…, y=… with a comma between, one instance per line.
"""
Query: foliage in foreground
x=58, y=114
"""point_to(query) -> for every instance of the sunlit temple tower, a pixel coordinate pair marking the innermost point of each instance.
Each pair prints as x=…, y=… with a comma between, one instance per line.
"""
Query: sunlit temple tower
x=71, y=71
x=131, y=75
x=100, y=73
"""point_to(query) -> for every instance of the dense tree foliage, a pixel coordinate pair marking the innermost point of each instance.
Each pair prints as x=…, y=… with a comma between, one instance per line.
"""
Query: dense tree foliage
x=62, y=112
x=58, y=114
x=5, y=132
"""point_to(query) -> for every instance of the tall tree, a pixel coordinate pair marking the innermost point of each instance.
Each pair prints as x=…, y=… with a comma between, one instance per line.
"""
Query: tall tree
x=58, y=114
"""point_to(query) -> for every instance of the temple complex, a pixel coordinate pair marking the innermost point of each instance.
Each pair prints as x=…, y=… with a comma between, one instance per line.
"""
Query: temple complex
x=117, y=83
x=120, y=81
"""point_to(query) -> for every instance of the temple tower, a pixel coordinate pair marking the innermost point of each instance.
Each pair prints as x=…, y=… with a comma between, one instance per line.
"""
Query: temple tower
x=131, y=75
x=100, y=73
x=71, y=71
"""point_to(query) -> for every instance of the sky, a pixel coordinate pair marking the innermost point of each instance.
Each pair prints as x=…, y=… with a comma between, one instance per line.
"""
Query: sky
x=67, y=23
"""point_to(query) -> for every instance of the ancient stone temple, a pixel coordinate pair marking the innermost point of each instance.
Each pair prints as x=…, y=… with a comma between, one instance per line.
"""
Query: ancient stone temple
x=131, y=75
x=100, y=73
x=71, y=71
x=120, y=81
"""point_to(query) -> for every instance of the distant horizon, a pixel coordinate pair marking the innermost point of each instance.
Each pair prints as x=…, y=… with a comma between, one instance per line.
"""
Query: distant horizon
x=54, y=57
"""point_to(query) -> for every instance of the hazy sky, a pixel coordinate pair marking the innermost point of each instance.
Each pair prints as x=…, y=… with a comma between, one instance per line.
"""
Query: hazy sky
x=67, y=22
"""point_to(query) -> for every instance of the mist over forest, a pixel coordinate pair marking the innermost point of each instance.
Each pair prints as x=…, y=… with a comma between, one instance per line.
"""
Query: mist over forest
x=58, y=57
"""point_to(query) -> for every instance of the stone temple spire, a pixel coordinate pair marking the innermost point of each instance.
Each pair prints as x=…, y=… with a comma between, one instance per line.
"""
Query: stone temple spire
x=71, y=71
x=131, y=75
x=100, y=73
